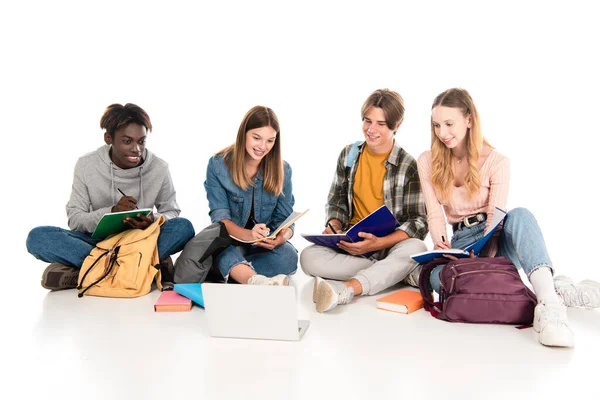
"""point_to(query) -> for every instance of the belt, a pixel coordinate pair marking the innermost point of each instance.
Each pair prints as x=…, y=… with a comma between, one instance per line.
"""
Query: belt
x=469, y=221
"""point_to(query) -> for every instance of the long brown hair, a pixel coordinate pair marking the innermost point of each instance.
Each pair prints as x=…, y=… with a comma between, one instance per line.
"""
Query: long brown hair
x=271, y=164
x=442, y=175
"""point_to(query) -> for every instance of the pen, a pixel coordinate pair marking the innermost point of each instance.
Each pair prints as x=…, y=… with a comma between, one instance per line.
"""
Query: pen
x=443, y=239
x=120, y=191
x=256, y=223
x=331, y=227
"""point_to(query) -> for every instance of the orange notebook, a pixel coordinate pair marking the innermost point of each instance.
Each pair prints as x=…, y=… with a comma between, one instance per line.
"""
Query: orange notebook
x=170, y=300
x=401, y=301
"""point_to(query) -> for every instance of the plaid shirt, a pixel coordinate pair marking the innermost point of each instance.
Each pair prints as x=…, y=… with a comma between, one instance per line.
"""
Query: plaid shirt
x=401, y=188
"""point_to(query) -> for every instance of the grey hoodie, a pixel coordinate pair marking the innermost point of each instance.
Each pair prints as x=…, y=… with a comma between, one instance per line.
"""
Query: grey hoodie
x=95, y=184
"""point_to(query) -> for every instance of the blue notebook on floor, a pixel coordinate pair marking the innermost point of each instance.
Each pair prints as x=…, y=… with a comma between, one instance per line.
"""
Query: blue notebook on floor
x=192, y=291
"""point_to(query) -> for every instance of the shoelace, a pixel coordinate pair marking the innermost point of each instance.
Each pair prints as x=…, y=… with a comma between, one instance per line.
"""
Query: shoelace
x=552, y=315
x=69, y=280
x=344, y=296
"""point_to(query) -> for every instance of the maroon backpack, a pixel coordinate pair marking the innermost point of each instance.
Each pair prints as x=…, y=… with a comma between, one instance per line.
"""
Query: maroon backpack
x=478, y=290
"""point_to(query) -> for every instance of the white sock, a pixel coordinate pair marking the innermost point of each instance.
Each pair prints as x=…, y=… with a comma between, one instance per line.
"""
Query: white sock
x=543, y=285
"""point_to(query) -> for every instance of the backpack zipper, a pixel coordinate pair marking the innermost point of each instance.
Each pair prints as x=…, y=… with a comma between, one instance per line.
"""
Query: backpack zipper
x=457, y=274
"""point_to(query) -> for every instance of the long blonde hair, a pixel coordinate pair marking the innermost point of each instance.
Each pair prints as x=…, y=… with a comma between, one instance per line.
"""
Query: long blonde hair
x=442, y=174
x=271, y=164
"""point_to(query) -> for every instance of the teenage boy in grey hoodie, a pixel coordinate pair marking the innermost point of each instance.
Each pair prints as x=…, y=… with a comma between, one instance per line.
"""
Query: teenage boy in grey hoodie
x=123, y=165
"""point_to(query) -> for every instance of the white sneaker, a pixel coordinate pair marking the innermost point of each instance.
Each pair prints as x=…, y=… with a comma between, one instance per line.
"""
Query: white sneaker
x=585, y=294
x=550, y=321
x=315, y=286
x=332, y=293
x=277, y=280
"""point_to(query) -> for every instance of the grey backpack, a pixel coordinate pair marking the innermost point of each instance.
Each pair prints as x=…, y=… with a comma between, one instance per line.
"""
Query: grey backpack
x=195, y=263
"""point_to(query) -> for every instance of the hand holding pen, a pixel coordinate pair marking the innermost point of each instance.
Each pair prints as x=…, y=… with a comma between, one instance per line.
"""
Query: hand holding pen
x=444, y=244
x=259, y=231
x=125, y=203
x=331, y=229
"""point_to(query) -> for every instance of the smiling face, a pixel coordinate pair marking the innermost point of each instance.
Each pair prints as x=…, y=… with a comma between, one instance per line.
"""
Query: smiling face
x=450, y=125
x=259, y=142
x=128, y=145
x=379, y=137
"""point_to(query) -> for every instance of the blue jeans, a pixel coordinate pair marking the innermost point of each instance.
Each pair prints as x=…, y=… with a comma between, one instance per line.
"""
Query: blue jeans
x=281, y=260
x=521, y=241
x=52, y=244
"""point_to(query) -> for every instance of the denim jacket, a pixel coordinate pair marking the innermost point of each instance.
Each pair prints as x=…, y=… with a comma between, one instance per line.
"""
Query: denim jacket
x=227, y=200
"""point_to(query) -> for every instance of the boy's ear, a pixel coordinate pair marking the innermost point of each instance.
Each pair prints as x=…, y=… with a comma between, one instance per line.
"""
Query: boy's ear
x=398, y=126
x=107, y=138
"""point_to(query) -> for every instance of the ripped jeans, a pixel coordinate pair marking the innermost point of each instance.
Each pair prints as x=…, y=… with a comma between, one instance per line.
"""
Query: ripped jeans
x=281, y=260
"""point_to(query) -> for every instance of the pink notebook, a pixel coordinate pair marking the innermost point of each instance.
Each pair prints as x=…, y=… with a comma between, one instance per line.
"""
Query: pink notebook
x=170, y=300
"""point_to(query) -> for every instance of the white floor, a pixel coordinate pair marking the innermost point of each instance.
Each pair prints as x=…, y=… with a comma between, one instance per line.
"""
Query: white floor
x=61, y=346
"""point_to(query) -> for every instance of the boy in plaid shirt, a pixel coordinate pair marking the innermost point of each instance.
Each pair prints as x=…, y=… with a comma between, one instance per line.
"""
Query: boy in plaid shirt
x=381, y=173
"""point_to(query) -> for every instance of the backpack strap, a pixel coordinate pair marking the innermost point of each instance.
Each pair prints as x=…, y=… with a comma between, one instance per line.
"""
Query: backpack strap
x=425, y=286
x=111, y=260
x=352, y=154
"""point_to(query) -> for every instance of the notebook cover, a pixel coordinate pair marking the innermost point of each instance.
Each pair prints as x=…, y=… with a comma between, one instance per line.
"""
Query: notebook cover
x=192, y=291
x=397, y=301
x=172, y=301
x=113, y=222
x=380, y=222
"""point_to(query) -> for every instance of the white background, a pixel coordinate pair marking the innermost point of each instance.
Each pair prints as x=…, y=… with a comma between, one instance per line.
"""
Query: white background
x=197, y=67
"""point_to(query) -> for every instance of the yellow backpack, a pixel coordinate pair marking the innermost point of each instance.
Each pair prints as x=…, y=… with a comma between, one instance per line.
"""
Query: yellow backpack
x=123, y=265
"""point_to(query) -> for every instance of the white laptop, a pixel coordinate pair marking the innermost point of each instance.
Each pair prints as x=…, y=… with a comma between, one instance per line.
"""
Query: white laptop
x=252, y=311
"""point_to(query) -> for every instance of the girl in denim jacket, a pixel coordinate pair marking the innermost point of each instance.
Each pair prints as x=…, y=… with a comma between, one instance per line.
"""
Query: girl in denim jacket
x=249, y=189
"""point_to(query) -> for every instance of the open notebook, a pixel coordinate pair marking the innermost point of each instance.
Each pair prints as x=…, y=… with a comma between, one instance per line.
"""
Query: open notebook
x=427, y=256
x=291, y=219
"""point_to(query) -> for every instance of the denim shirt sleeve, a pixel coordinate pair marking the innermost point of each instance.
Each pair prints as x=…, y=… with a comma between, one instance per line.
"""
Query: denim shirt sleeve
x=215, y=191
x=285, y=201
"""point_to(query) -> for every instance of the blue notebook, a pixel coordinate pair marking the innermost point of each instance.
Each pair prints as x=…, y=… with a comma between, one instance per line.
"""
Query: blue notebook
x=427, y=256
x=192, y=291
x=380, y=222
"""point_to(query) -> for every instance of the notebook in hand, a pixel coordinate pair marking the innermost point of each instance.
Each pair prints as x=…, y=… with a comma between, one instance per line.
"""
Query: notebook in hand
x=113, y=222
x=401, y=301
x=192, y=291
x=253, y=312
x=172, y=301
x=380, y=222
x=427, y=256
x=291, y=219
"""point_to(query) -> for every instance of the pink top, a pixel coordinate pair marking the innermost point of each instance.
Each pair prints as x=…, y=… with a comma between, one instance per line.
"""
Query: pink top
x=494, y=176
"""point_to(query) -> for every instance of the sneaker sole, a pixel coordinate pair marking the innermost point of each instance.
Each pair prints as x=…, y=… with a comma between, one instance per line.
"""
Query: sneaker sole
x=285, y=281
x=554, y=342
x=52, y=288
x=592, y=301
x=315, y=286
x=326, y=297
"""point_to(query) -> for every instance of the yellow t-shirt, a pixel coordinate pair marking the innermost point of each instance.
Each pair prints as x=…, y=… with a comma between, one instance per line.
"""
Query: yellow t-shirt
x=368, y=184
